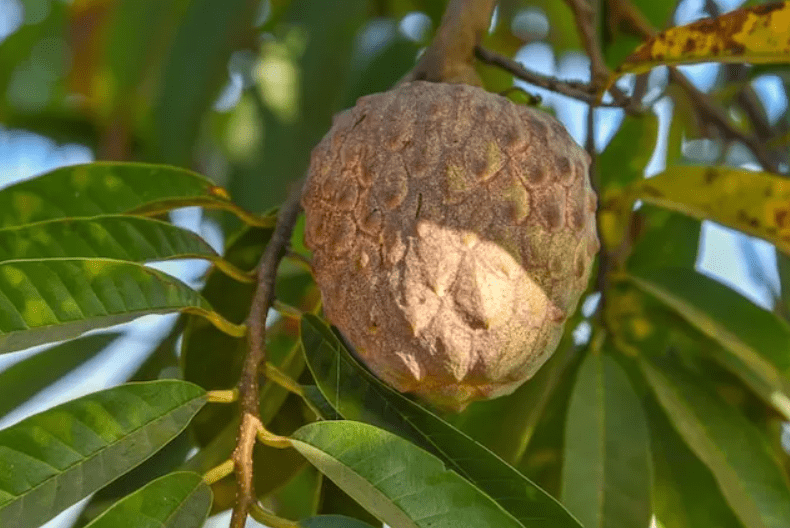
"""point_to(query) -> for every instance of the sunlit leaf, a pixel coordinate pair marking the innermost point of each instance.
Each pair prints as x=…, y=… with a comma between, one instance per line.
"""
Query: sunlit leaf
x=129, y=238
x=400, y=483
x=24, y=379
x=606, y=471
x=177, y=500
x=734, y=450
x=119, y=237
x=53, y=459
x=57, y=299
x=98, y=189
x=757, y=203
x=755, y=343
x=750, y=35
x=358, y=395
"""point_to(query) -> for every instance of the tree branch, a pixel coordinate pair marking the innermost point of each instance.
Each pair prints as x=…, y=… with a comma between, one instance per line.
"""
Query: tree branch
x=580, y=90
x=256, y=354
x=449, y=57
x=585, y=22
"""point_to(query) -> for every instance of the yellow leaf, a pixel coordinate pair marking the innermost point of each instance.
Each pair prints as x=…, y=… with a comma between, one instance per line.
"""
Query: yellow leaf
x=760, y=34
x=757, y=203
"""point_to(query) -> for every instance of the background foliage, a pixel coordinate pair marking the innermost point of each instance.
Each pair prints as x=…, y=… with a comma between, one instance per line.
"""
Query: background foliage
x=665, y=402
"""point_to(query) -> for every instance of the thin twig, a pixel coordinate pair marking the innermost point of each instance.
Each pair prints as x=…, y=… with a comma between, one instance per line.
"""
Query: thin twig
x=576, y=89
x=599, y=72
x=256, y=353
x=585, y=22
x=583, y=91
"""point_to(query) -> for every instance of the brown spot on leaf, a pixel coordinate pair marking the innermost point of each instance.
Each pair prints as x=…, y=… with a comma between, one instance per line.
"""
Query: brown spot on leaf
x=649, y=190
x=764, y=9
x=782, y=218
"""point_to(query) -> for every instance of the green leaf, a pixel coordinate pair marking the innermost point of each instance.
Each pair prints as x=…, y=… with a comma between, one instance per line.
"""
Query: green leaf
x=319, y=404
x=97, y=189
x=628, y=153
x=114, y=237
x=734, y=450
x=753, y=202
x=358, y=395
x=177, y=500
x=397, y=481
x=313, y=43
x=753, y=35
x=606, y=472
x=754, y=342
x=300, y=497
x=24, y=379
x=685, y=495
x=52, y=300
x=195, y=69
x=333, y=521
x=666, y=239
x=29, y=72
x=53, y=459
x=517, y=414
x=119, y=237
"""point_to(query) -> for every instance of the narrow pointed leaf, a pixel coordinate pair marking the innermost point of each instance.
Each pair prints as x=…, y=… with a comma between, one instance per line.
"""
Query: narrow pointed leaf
x=753, y=35
x=52, y=300
x=21, y=381
x=685, y=494
x=120, y=237
x=205, y=35
x=734, y=450
x=115, y=237
x=606, y=471
x=177, y=500
x=755, y=343
x=395, y=480
x=98, y=189
x=53, y=459
x=333, y=521
x=756, y=203
x=358, y=395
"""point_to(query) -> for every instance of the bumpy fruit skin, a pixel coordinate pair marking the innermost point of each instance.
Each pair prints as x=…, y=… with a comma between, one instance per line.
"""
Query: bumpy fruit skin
x=453, y=232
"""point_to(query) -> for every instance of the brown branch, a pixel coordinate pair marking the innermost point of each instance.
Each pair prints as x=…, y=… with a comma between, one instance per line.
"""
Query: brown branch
x=586, y=24
x=583, y=91
x=576, y=89
x=256, y=354
x=450, y=56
